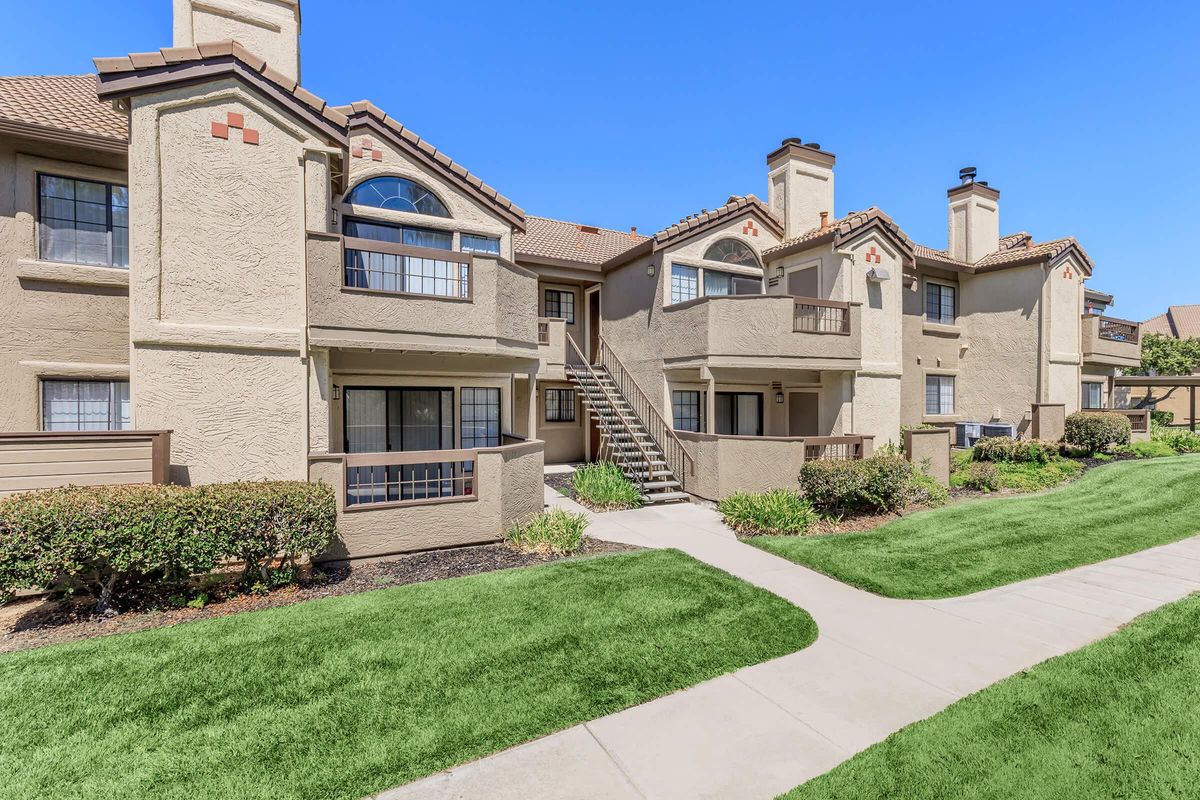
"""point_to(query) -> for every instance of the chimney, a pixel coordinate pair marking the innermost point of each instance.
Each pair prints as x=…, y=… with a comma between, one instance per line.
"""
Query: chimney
x=824, y=220
x=268, y=28
x=801, y=184
x=974, y=217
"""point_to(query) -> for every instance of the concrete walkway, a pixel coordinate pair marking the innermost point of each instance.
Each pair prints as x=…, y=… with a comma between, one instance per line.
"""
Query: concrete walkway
x=877, y=665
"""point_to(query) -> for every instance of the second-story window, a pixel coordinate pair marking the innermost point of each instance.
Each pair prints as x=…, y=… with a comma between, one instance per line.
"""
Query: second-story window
x=470, y=243
x=415, y=273
x=397, y=194
x=83, y=222
x=685, y=283
x=940, y=303
x=560, y=305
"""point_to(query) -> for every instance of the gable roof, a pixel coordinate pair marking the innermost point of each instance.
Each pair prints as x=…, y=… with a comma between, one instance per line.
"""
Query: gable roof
x=1016, y=249
x=1180, y=322
x=696, y=224
x=558, y=240
x=366, y=114
x=61, y=108
x=844, y=230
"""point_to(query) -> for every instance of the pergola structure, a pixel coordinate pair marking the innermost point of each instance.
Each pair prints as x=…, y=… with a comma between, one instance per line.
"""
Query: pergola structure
x=1189, y=382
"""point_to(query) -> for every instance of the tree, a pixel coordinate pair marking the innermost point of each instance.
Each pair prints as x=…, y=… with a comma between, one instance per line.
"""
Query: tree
x=1166, y=355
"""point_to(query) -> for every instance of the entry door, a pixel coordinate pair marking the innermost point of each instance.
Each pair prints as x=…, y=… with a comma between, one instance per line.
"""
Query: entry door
x=804, y=416
x=803, y=282
x=593, y=312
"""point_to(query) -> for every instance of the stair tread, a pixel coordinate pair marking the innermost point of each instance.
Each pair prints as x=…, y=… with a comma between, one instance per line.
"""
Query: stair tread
x=665, y=497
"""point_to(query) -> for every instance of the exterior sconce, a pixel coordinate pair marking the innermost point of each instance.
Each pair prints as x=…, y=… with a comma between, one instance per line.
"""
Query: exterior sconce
x=779, y=272
x=337, y=393
x=650, y=269
x=779, y=397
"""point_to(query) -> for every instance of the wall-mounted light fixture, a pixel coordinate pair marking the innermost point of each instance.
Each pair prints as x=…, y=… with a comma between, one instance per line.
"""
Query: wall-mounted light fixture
x=779, y=397
x=650, y=269
x=337, y=393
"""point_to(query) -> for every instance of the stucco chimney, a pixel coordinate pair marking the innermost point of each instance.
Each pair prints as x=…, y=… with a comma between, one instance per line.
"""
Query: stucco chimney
x=974, y=218
x=268, y=28
x=801, y=184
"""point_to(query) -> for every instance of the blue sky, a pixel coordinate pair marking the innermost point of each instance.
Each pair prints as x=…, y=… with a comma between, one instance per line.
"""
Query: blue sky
x=1084, y=115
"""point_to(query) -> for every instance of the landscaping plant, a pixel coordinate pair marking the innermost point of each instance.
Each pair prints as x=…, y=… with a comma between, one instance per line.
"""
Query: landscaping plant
x=883, y=482
x=553, y=532
x=775, y=512
x=1179, y=440
x=1155, y=448
x=982, y=475
x=1004, y=448
x=110, y=539
x=604, y=487
x=1094, y=431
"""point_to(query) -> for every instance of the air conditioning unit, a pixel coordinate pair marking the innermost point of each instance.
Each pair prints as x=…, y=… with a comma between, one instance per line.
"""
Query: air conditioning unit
x=965, y=433
x=999, y=429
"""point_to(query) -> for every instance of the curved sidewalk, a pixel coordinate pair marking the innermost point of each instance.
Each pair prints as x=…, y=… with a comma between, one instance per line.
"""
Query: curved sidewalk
x=877, y=665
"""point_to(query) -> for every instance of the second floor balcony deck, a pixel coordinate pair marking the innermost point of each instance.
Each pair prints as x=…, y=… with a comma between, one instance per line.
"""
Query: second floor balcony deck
x=1111, y=342
x=733, y=331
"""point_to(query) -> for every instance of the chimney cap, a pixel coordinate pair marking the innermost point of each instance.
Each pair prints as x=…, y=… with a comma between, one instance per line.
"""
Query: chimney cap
x=967, y=174
x=812, y=146
x=791, y=140
x=810, y=151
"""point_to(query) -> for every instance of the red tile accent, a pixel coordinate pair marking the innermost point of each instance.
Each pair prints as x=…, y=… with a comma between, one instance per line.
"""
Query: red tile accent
x=250, y=136
x=357, y=152
x=376, y=155
x=220, y=130
x=748, y=229
x=235, y=120
x=873, y=257
x=367, y=143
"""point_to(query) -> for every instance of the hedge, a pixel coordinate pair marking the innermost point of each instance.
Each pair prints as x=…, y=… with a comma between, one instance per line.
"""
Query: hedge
x=1003, y=448
x=110, y=539
x=1094, y=431
x=883, y=482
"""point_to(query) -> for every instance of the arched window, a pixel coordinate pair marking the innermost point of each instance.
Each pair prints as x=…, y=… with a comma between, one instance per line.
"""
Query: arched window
x=397, y=194
x=732, y=251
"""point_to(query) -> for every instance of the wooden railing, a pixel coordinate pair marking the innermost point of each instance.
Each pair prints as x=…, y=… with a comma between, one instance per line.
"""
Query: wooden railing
x=1139, y=418
x=375, y=266
x=834, y=448
x=48, y=459
x=409, y=478
x=820, y=316
x=675, y=454
x=1119, y=330
x=577, y=361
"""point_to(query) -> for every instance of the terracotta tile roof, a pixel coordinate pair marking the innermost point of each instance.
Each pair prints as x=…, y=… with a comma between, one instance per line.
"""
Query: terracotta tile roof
x=1043, y=251
x=1180, y=322
x=422, y=149
x=63, y=102
x=569, y=241
x=1014, y=240
x=734, y=205
x=843, y=230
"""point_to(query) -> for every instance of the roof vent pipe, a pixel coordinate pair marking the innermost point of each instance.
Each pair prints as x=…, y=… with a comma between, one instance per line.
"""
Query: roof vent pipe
x=824, y=220
x=967, y=175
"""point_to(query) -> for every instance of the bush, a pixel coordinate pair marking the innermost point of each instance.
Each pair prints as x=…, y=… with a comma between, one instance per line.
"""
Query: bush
x=772, y=513
x=882, y=482
x=1155, y=448
x=103, y=539
x=925, y=491
x=554, y=532
x=604, y=487
x=1162, y=417
x=1002, y=448
x=1178, y=439
x=982, y=475
x=1093, y=431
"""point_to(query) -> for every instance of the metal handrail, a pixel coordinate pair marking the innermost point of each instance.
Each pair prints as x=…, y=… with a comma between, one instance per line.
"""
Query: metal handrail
x=676, y=455
x=616, y=411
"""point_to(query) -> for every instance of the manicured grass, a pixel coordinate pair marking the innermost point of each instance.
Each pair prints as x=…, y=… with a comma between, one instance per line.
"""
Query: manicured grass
x=1116, y=719
x=1113, y=510
x=344, y=697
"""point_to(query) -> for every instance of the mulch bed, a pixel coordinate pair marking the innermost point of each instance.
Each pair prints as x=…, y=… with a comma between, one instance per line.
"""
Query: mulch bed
x=38, y=622
x=561, y=483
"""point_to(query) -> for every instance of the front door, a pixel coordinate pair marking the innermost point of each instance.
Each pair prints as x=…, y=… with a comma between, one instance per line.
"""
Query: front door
x=593, y=312
x=803, y=414
x=803, y=282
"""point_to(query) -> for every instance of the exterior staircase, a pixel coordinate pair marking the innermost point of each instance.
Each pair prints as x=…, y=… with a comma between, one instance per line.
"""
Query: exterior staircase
x=624, y=439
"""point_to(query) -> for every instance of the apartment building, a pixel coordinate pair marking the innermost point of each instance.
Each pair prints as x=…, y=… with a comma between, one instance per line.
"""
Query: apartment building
x=192, y=241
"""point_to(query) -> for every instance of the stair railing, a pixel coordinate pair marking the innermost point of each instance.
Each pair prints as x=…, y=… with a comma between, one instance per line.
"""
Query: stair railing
x=576, y=360
x=674, y=452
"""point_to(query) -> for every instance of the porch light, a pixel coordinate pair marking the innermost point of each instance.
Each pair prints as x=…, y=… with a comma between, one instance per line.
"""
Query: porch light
x=779, y=397
x=337, y=393
x=650, y=269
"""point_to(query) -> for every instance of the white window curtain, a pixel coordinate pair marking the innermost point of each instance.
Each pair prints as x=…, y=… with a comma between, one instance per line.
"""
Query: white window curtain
x=69, y=405
x=684, y=283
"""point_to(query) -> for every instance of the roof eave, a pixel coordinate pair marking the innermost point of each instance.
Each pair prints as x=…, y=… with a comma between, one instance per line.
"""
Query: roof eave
x=47, y=133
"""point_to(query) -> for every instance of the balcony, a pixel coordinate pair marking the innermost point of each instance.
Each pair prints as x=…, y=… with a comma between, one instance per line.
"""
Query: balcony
x=771, y=331
x=379, y=295
x=1111, y=342
x=552, y=349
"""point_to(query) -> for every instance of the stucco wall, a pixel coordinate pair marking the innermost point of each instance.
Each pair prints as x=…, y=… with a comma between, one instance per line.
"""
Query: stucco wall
x=929, y=452
x=268, y=28
x=1064, y=285
x=59, y=320
x=727, y=464
x=564, y=440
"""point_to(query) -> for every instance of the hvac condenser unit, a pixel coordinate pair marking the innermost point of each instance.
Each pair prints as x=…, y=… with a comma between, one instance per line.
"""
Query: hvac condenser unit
x=999, y=429
x=965, y=433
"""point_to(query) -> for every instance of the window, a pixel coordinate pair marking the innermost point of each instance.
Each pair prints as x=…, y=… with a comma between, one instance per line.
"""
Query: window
x=392, y=272
x=1092, y=395
x=470, y=243
x=83, y=222
x=717, y=283
x=560, y=305
x=939, y=394
x=397, y=194
x=939, y=303
x=688, y=410
x=560, y=405
x=85, y=405
x=739, y=413
x=685, y=283
x=480, y=411
x=380, y=420
x=399, y=234
x=732, y=251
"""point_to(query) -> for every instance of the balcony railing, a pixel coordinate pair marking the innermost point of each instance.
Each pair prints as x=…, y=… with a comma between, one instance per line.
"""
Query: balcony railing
x=376, y=266
x=834, y=448
x=821, y=316
x=1119, y=330
x=402, y=478
x=1139, y=418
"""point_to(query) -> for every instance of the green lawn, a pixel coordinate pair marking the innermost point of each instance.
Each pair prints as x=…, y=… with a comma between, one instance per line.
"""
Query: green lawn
x=973, y=545
x=1117, y=719
x=343, y=697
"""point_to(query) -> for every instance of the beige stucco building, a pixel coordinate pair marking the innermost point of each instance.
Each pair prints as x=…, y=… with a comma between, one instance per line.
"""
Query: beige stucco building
x=192, y=241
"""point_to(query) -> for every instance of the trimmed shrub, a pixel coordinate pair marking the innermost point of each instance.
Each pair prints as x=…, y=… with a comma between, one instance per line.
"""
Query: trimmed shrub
x=982, y=475
x=771, y=513
x=883, y=482
x=1093, y=431
x=604, y=487
x=1162, y=417
x=106, y=539
x=554, y=532
x=1002, y=448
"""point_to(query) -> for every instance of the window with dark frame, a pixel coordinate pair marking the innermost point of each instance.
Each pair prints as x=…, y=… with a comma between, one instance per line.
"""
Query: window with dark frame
x=687, y=408
x=939, y=394
x=83, y=222
x=739, y=413
x=940, y=303
x=560, y=305
x=71, y=405
x=1092, y=395
x=480, y=418
x=391, y=272
x=560, y=405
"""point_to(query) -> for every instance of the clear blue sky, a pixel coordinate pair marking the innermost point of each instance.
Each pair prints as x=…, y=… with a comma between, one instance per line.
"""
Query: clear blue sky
x=1084, y=115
